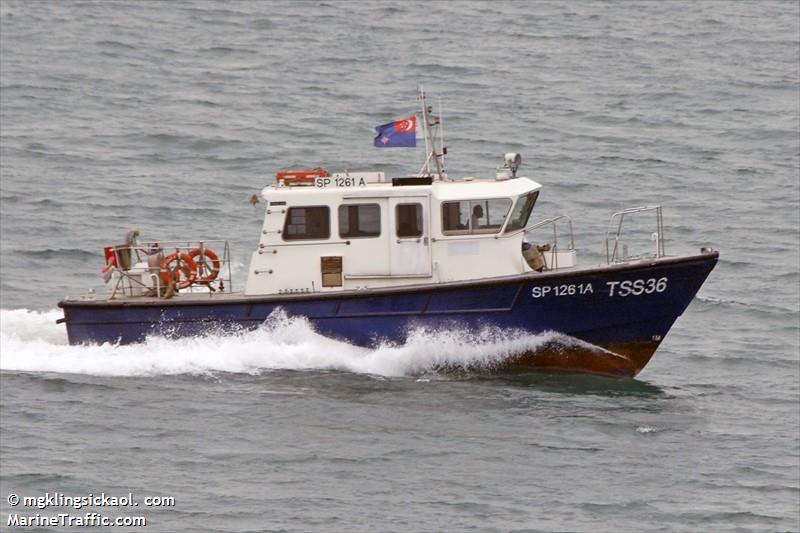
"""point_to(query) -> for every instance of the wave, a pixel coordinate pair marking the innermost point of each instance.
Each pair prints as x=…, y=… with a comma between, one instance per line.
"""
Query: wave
x=115, y=44
x=710, y=302
x=53, y=253
x=31, y=341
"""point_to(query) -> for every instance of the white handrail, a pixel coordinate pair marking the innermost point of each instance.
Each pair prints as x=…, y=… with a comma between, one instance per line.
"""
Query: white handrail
x=611, y=254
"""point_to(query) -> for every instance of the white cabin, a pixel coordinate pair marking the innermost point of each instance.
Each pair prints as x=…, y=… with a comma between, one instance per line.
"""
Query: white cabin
x=359, y=230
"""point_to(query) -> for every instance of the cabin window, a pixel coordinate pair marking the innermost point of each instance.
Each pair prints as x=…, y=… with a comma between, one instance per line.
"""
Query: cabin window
x=307, y=223
x=408, y=218
x=522, y=211
x=474, y=216
x=359, y=220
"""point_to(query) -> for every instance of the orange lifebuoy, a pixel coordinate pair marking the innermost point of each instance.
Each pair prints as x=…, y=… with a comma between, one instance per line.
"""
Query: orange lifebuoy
x=300, y=177
x=179, y=268
x=209, y=262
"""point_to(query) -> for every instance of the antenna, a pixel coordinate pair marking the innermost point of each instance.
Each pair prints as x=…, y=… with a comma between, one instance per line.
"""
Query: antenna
x=421, y=98
x=441, y=136
x=428, y=123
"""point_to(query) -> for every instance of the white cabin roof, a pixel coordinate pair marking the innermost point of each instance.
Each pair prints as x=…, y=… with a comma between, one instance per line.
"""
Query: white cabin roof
x=441, y=190
x=463, y=190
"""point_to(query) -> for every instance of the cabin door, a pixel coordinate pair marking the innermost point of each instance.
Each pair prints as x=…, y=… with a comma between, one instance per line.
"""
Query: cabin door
x=409, y=240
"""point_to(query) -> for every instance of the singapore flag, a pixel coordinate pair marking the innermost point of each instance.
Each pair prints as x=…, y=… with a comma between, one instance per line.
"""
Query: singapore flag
x=400, y=133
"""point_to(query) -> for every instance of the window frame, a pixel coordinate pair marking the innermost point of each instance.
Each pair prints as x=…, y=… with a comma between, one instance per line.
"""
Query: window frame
x=339, y=214
x=419, y=218
x=472, y=202
x=522, y=198
x=286, y=236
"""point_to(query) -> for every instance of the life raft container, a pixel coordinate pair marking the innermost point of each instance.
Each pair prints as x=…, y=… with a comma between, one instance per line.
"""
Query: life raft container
x=300, y=177
x=208, y=264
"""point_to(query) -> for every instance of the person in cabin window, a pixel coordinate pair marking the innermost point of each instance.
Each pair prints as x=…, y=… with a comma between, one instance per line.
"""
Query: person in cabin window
x=477, y=214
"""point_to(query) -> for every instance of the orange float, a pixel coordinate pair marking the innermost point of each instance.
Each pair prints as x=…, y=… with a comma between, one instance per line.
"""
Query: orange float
x=180, y=268
x=207, y=266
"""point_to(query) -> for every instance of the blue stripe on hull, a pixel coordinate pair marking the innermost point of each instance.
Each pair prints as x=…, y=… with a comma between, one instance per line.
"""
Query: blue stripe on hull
x=629, y=304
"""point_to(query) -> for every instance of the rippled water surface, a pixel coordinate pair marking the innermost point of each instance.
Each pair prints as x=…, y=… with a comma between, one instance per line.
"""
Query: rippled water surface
x=167, y=117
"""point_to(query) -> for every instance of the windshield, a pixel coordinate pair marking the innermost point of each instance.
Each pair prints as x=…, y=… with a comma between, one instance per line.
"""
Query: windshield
x=522, y=211
x=474, y=216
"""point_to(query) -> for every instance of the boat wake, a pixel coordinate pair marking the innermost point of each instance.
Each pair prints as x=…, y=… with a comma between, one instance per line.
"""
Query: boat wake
x=31, y=341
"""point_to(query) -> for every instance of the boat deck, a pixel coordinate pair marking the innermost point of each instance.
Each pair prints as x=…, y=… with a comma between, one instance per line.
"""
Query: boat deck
x=202, y=298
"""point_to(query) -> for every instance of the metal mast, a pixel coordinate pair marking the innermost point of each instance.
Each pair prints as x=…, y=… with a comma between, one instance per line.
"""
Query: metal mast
x=437, y=155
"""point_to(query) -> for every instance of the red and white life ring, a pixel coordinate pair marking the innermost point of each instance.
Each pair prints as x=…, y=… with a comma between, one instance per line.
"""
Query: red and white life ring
x=208, y=264
x=180, y=268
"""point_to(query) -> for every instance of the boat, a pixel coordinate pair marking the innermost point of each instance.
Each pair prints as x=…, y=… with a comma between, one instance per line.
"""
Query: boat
x=368, y=259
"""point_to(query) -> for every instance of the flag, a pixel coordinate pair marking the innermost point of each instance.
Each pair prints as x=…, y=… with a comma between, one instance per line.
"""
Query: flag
x=398, y=133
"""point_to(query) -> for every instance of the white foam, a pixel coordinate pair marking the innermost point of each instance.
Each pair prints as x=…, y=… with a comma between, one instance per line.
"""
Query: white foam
x=29, y=326
x=32, y=341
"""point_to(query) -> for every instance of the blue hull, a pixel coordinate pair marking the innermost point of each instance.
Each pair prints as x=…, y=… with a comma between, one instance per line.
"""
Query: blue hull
x=624, y=310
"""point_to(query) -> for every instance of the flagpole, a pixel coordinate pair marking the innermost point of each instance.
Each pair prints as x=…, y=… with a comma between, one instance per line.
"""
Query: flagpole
x=421, y=97
x=431, y=148
x=441, y=139
x=425, y=170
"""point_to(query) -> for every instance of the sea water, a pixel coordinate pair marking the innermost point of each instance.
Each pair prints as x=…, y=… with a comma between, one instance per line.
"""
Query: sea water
x=167, y=117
